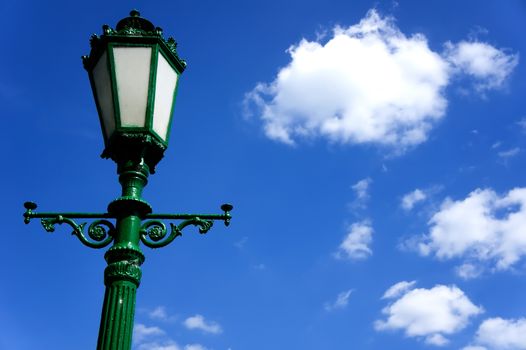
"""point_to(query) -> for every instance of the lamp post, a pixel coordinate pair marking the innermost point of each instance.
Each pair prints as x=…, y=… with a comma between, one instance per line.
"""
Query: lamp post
x=134, y=74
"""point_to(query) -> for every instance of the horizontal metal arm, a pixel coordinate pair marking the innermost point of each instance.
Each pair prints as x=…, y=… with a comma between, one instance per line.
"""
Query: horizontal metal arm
x=30, y=214
x=69, y=215
x=101, y=232
x=189, y=216
x=154, y=232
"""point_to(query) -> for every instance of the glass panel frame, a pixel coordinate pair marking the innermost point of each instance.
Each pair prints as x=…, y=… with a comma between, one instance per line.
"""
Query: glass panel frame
x=166, y=80
x=120, y=99
x=157, y=48
x=105, y=111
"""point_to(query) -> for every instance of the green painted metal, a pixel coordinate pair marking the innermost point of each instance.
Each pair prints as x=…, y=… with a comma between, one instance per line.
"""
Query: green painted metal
x=136, y=152
x=134, y=223
x=122, y=276
x=138, y=32
x=151, y=94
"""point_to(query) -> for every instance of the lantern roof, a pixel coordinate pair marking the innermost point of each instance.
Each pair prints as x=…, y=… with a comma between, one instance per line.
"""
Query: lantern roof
x=129, y=29
x=135, y=21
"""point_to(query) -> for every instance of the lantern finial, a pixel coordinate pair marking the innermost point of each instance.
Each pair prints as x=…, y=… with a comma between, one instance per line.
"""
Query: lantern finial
x=135, y=21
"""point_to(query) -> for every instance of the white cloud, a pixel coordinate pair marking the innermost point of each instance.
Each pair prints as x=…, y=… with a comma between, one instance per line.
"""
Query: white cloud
x=259, y=267
x=488, y=65
x=471, y=347
x=482, y=228
x=158, y=346
x=436, y=339
x=398, y=289
x=468, y=271
x=341, y=302
x=370, y=83
x=142, y=332
x=194, y=347
x=430, y=314
x=241, y=243
x=501, y=334
x=410, y=199
x=509, y=153
x=361, y=189
x=356, y=244
x=199, y=322
x=154, y=338
x=169, y=345
x=159, y=313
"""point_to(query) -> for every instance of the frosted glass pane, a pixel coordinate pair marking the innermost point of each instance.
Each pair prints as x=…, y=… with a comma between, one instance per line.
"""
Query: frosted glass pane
x=101, y=78
x=164, y=94
x=132, y=70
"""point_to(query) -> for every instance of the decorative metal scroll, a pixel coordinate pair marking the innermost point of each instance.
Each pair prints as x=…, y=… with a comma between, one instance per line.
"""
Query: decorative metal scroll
x=101, y=232
x=153, y=232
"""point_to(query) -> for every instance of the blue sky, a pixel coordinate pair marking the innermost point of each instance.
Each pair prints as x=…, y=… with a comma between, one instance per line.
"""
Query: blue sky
x=373, y=151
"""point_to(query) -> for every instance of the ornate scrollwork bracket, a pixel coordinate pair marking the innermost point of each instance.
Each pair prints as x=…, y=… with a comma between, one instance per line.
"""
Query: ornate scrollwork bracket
x=100, y=232
x=154, y=233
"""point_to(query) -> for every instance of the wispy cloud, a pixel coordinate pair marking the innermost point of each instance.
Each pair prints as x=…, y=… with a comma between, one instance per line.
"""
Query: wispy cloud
x=159, y=313
x=241, y=243
x=341, y=302
x=361, y=190
x=410, y=199
x=259, y=267
x=356, y=244
x=168, y=345
x=487, y=65
x=496, y=145
x=194, y=347
x=509, y=153
x=469, y=271
x=199, y=322
x=142, y=332
x=398, y=289
x=155, y=338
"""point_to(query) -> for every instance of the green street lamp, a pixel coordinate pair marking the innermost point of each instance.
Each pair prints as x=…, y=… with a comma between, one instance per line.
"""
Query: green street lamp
x=134, y=74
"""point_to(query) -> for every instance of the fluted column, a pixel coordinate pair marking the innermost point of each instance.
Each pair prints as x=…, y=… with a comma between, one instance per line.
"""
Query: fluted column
x=122, y=276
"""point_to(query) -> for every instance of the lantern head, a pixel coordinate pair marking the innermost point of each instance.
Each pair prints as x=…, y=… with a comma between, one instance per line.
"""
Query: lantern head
x=134, y=74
